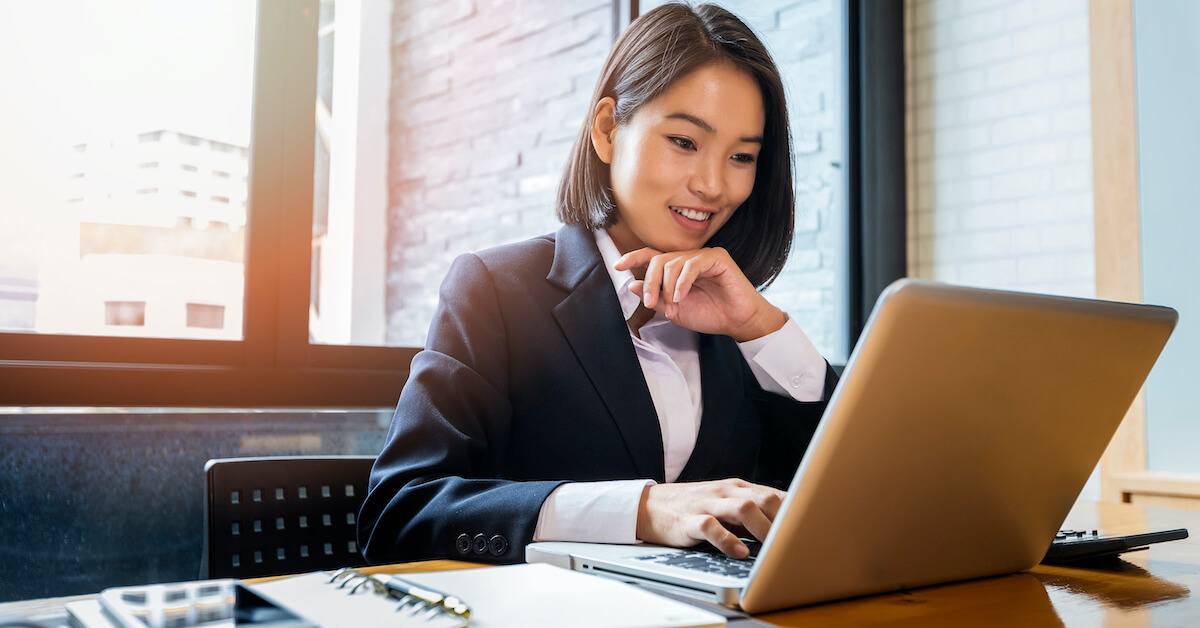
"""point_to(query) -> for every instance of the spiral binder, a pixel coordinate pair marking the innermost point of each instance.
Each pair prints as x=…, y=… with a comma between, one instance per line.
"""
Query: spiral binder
x=349, y=597
x=405, y=592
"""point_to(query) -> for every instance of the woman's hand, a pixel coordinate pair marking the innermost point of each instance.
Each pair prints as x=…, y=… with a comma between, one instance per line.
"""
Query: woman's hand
x=681, y=515
x=702, y=290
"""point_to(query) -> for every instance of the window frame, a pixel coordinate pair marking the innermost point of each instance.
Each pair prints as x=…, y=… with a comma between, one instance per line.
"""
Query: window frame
x=275, y=365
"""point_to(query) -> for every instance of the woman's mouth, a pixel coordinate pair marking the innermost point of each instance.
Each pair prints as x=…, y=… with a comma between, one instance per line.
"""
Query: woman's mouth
x=692, y=214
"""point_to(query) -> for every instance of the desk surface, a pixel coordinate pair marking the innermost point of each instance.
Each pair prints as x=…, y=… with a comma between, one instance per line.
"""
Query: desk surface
x=1146, y=588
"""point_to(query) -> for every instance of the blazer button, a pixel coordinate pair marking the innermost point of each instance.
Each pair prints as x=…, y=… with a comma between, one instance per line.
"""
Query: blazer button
x=497, y=545
x=463, y=544
x=480, y=544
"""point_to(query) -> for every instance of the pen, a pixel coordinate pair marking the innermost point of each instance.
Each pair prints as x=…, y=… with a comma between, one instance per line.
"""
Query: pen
x=400, y=588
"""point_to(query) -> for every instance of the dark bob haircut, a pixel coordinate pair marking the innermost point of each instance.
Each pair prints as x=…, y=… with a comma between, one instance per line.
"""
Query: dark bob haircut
x=656, y=50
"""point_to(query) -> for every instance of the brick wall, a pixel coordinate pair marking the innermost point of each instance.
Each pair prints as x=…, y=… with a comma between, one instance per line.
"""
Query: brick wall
x=999, y=144
x=486, y=99
x=487, y=96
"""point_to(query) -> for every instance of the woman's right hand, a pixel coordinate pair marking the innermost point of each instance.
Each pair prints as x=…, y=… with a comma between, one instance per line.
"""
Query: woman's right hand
x=684, y=514
x=702, y=290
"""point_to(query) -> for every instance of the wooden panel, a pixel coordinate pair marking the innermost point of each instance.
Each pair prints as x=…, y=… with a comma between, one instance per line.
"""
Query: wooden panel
x=1168, y=490
x=1165, y=501
x=1115, y=194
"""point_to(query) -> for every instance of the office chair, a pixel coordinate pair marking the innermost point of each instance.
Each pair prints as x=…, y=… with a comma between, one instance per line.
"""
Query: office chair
x=282, y=515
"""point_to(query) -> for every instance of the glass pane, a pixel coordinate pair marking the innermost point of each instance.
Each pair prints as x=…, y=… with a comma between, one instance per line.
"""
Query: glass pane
x=805, y=39
x=123, y=167
x=1167, y=129
x=445, y=136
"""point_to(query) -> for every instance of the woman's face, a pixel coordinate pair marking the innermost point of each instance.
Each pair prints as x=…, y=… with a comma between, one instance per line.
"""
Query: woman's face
x=683, y=162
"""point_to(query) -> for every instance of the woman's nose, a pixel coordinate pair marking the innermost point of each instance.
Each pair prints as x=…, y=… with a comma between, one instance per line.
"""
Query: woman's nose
x=706, y=178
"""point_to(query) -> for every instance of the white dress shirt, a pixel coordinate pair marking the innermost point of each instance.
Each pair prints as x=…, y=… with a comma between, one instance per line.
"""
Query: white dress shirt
x=784, y=362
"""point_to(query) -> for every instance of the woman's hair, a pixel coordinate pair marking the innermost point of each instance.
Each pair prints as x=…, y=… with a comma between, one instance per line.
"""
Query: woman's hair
x=656, y=50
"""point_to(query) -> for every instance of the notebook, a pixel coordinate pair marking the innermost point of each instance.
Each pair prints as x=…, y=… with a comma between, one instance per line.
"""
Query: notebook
x=965, y=425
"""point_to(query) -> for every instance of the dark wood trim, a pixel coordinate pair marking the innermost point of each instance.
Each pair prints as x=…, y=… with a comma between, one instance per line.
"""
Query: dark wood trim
x=154, y=385
x=875, y=161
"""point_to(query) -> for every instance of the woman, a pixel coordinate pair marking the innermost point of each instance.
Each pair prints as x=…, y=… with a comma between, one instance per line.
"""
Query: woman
x=621, y=380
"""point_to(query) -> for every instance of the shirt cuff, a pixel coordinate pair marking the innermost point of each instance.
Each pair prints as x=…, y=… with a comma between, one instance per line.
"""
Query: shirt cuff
x=786, y=363
x=592, y=512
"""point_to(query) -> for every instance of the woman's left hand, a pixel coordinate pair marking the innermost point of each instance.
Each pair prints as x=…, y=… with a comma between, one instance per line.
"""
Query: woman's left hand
x=702, y=290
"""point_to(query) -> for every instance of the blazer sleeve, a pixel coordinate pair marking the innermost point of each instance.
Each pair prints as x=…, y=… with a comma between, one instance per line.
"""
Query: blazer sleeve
x=435, y=490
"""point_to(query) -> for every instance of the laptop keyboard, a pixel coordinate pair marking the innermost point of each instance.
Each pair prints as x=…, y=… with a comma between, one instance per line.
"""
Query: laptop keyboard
x=706, y=560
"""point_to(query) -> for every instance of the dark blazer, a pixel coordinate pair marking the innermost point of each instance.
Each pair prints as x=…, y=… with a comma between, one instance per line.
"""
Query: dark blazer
x=530, y=379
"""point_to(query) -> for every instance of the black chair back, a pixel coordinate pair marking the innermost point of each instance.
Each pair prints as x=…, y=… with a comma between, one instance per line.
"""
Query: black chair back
x=282, y=515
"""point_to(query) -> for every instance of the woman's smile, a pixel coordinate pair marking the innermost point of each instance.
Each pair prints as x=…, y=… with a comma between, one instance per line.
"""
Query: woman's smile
x=692, y=218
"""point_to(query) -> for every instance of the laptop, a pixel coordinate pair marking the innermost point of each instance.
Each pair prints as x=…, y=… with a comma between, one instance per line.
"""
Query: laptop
x=965, y=425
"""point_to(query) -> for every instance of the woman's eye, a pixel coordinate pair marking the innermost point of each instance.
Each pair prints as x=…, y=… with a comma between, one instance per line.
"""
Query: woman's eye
x=745, y=158
x=683, y=142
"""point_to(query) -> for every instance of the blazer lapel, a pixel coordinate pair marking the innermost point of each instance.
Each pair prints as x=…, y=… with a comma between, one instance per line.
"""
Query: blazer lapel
x=590, y=318
x=721, y=390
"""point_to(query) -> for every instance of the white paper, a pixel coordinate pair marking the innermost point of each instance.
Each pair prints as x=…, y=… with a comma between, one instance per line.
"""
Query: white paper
x=545, y=595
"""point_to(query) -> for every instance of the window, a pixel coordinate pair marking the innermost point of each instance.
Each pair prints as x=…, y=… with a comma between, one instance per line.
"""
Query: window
x=205, y=315
x=117, y=229
x=333, y=272
x=125, y=313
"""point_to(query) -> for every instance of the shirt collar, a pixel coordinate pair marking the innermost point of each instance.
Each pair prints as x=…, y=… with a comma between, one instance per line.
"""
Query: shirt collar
x=620, y=278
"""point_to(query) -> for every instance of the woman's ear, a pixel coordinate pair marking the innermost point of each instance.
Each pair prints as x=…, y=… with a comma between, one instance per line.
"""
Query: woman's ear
x=604, y=127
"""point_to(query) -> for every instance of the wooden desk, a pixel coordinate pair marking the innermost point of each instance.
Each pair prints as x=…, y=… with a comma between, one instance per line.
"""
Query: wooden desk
x=1147, y=588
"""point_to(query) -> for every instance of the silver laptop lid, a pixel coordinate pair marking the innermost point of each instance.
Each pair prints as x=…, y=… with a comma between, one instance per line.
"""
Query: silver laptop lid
x=964, y=428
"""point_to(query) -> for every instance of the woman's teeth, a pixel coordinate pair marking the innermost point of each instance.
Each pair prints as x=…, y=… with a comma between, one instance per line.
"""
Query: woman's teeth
x=691, y=214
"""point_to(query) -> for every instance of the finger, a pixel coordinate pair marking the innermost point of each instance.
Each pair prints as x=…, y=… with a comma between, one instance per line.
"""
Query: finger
x=653, y=280
x=771, y=502
x=636, y=259
x=671, y=271
x=721, y=538
x=635, y=287
x=751, y=517
x=691, y=271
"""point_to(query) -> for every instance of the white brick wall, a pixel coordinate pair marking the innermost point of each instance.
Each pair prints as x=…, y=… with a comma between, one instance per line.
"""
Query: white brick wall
x=486, y=98
x=999, y=144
